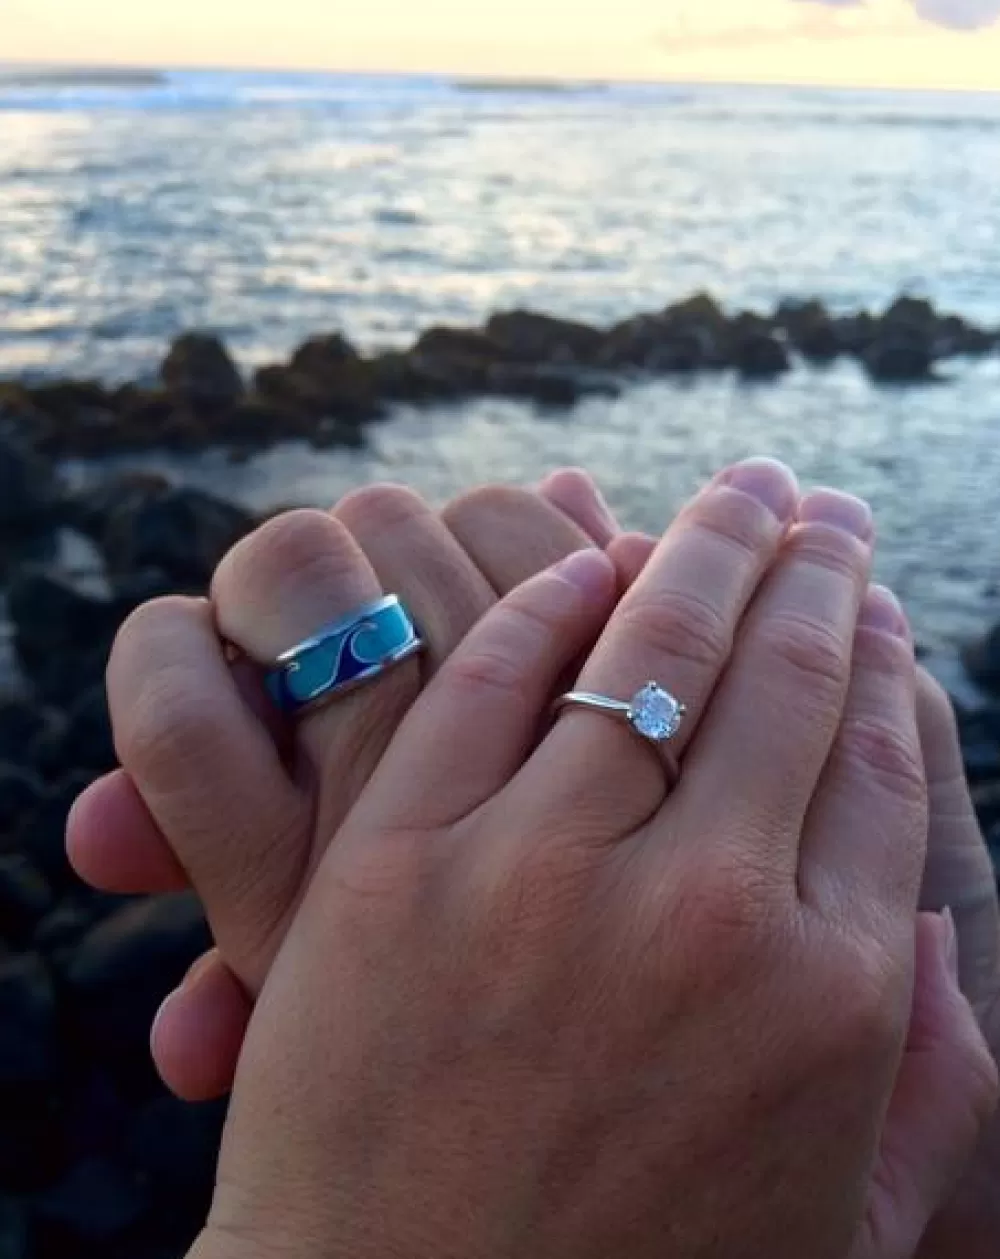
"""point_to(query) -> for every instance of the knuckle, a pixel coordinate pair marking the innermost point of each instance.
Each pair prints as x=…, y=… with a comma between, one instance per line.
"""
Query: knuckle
x=296, y=542
x=736, y=521
x=380, y=507
x=522, y=634
x=728, y=917
x=883, y=752
x=145, y=624
x=680, y=625
x=811, y=650
x=831, y=549
x=169, y=727
x=867, y=989
x=490, y=502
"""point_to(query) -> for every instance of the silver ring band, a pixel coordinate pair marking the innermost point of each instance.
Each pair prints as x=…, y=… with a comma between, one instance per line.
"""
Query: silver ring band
x=652, y=713
x=343, y=656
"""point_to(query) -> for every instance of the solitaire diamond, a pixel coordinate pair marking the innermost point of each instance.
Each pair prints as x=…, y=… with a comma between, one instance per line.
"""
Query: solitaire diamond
x=655, y=714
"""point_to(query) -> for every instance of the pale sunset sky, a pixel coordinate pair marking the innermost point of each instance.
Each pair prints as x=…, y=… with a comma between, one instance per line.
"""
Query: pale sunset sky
x=952, y=44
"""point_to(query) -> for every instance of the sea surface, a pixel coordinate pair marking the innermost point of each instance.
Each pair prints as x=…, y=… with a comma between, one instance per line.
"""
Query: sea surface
x=272, y=206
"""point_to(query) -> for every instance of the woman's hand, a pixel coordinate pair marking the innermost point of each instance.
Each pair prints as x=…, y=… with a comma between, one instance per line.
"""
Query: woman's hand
x=530, y=1006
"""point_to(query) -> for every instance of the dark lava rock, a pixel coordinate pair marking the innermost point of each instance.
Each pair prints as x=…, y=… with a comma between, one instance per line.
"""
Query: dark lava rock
x=459, y=344
x=21, y=793
x=15, y=1241
x=552, y=387
x=982, y=660
x=811, y=330
x=760, y=356
x=180, y=531
x=324, y=358
x=986, y=800
x=85, y=740
x=199, y=369
x=67, y=400
x=25, y=898
x=22, y=723
x=124, y=967
x=27, y=487
x=176, y=1146
x=648, y=342
x=97, y=1201
x=62, y=633
x=900, y=358
x=527, y=337
x=143, y=943
x=42, y=833
x=28, y=1046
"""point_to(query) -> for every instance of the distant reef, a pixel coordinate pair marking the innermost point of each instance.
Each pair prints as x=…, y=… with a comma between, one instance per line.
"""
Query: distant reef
x=547, y=87
x=75, y=77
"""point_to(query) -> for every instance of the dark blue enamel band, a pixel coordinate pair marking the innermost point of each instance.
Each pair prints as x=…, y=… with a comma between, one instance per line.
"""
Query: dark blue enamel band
x=343, y=656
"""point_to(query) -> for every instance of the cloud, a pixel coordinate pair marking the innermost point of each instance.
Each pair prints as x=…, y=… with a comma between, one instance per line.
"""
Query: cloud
x=958, y=15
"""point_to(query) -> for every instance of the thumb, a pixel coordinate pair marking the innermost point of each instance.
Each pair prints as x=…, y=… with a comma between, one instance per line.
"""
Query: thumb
x=946, y=1091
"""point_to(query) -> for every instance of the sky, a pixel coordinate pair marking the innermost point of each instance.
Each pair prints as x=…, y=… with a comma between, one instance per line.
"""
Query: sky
x=948, y=44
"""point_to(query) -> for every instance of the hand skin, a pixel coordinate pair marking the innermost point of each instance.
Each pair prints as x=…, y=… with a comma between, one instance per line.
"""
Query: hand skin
x=503, y=1020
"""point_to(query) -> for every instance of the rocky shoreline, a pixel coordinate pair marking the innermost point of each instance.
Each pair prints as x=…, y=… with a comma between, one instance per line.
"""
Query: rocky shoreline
x=94, y=1157
x=329, y=392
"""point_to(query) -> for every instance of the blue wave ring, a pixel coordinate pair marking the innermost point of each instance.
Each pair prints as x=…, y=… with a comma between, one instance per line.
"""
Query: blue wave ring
x=343, y=656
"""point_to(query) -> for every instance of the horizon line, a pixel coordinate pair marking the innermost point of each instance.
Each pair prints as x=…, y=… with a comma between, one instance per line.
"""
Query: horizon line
x=458, y=76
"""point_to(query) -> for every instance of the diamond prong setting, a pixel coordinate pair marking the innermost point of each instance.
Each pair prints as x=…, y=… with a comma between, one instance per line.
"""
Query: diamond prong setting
x=655, y=714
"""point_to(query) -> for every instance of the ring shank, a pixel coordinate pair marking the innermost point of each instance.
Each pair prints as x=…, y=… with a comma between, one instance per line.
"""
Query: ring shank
x=617, y=708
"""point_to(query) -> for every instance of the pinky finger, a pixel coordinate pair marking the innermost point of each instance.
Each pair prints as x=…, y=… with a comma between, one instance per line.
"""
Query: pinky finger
x=945, y=1094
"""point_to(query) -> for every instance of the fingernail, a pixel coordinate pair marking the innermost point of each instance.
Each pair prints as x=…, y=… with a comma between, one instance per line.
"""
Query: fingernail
x=767, y=480
x=950, y=942
x=843, y=511
x=590, y=571
x=881, y=610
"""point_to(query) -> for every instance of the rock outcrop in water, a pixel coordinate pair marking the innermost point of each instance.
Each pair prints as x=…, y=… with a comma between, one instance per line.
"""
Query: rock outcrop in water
x=95, y=1159
x=329, y=392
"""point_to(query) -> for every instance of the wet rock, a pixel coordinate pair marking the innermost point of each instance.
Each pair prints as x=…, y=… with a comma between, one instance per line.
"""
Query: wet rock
x=96, y=1201
x=527, y=337
x=42, y=833
x=15, y=1241
x=62, y=633
x=982, y=660
x=648, y=342
x=547, y=386
x=28, y=1034
x=324, y=358
x=459, y=344
x=25, y=898
x=900, y=358
x=811, y=330
x=144, y=942
x=180, y=531
x=176, y=1146
x=21, y=793
x=759, y=355
x=199, y=369
x=85, y=741
x=27, y=488
x=349, y=396
x=986, y=800
x=22, y=723
x=124, y=967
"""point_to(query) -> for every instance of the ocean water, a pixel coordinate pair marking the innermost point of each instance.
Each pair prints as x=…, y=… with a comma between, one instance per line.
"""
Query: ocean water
x=269, y=207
